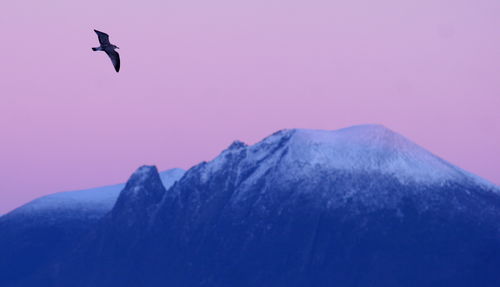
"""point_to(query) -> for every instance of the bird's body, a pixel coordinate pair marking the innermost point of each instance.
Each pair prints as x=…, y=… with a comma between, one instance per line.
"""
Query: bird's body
x=109, y=48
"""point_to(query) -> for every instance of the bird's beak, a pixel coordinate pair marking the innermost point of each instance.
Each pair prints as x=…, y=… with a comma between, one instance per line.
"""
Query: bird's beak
x=117, y=47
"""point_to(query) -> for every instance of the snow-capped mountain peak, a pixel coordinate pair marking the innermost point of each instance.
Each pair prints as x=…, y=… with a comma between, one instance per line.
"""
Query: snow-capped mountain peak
x=359, y=149
x=370, y=148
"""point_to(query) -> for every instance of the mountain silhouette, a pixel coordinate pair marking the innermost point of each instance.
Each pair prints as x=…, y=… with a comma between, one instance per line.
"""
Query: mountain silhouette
x=361, y=206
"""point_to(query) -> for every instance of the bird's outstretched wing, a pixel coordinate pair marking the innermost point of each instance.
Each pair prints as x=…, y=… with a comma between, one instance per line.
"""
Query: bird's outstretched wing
x=103, y=37
x=115, y=58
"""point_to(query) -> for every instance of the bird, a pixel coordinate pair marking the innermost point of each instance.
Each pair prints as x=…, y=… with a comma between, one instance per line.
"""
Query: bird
x=109, y=48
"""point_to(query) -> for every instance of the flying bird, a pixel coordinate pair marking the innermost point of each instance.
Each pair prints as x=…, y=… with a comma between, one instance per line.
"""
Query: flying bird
x=109, y=48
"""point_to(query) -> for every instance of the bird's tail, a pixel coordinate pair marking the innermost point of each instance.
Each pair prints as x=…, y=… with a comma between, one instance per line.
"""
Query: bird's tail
x=95, y=49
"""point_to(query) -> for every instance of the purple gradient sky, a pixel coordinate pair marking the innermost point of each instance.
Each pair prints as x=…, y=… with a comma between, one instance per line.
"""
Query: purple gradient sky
x=197, y=75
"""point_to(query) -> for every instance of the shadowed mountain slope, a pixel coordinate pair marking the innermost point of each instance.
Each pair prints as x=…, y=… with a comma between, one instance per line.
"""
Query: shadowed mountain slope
x=361, y=206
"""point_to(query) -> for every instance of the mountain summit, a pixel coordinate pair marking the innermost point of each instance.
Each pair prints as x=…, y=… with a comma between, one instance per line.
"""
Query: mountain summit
x=363, y=148
x=368, y=164
x=143, y=189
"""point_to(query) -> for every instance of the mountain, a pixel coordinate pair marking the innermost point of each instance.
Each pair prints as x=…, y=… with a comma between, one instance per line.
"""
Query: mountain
x=361, y=206
x=33, y=233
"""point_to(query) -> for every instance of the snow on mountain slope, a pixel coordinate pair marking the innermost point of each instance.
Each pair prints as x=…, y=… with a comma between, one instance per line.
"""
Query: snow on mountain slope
x=88, y=203
x=36, y=232
x=363, y=148
x=169, y=177
x=94, y=202
x=369, y=164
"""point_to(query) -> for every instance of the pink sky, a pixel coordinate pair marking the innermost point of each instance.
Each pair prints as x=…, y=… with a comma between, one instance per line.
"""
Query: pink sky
x=198, y=74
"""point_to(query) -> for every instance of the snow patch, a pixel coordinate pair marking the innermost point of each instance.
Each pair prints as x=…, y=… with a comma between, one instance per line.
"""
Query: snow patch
x=363, y=148
x=94, y=202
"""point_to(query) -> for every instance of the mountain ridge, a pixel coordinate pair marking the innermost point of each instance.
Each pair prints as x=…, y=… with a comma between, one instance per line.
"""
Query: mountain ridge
x=368, y=149
x=345, y=148
x=36, y=233
x=299, y=208
x=95, y=201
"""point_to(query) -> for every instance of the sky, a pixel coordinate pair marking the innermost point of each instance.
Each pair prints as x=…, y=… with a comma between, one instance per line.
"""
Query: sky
x=197, y=75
